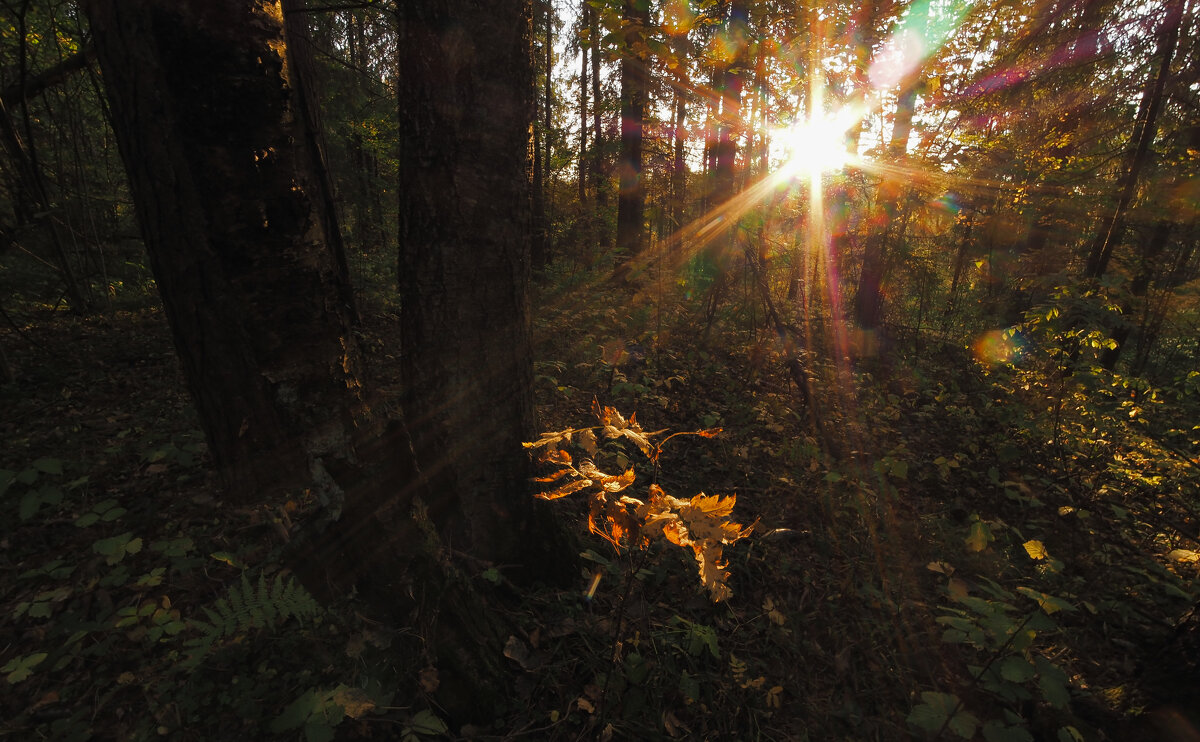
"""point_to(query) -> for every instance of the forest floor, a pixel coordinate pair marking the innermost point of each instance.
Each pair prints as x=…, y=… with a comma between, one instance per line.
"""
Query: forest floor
x=933, y=557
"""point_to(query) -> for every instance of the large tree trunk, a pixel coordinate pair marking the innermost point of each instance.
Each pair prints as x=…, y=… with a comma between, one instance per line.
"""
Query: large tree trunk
x=465, y=116
x=234, y=210
x=237, y=222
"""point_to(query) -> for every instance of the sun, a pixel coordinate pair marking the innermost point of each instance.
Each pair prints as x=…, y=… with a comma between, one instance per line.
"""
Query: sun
x=814, y=146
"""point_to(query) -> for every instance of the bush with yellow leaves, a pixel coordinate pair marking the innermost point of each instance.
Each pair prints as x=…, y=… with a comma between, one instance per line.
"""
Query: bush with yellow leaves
x=700, y=523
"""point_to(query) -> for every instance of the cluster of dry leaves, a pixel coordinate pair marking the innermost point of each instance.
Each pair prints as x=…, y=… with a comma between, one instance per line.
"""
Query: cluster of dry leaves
x=700, y=523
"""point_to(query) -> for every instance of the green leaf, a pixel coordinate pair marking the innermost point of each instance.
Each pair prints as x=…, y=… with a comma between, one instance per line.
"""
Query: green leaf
x=933, y=711
x=30, y=502
x=426, y=722
x=318, y=730
x=689, y=687
x=636, y=669
x=1069, y=734
x=1016, y=669
x=52, y=495
x=296, y=713
x=20, y=668
x=49, y=466
x=964, y=724
x=979, y=537
x=1049, y=603
x=87, y=519
x=228, y=558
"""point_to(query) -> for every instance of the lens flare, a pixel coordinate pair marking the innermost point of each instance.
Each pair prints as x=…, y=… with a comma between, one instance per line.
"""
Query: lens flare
x=999, y=346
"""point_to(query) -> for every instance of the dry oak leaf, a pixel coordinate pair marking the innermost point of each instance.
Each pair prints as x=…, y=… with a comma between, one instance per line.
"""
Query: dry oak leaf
x=354, y=701
x=566, y=489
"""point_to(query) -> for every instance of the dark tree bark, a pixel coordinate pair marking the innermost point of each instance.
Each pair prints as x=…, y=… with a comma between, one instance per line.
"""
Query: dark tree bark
x=541, y=134
x=598, y=173
x=679, y=169
x=1139, y=287
x=1145, y=130
x=869, y=299
x=465, y=117
x=237, y=222
x=631, y=196
x=732, y=82
x=233, y=206
x=724, y=181
x=584, y=122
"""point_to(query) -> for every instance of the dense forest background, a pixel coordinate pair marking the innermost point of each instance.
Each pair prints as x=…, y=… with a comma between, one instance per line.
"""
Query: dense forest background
x=911, y=290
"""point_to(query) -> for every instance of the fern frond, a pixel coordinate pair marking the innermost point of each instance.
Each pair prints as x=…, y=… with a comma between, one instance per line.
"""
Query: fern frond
x=247, y=606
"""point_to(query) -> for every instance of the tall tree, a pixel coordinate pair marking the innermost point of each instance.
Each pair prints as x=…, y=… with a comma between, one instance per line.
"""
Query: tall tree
x=868, y=304
x=631, y=197
x=1138, y=153
x=465, y=115
x=233, y=211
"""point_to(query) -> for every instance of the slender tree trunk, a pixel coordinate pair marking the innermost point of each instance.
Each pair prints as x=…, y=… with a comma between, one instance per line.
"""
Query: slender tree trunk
x=631, y=198
x=1145, y=130
x=599, y=176
x=584, y=121
x=538, y=199
x=678, y=162
x=542, y=259
x=1138, y=290
x=960, y=263
x=868, y=303
x=721, y=251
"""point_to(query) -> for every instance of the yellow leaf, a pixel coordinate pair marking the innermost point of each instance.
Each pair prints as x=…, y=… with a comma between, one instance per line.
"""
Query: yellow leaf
x=428, y=679
x=555, y=476
x=587, y=440
x=566, y=489
x=354, y=701
x=775, y=697
x=1036, y=549
x=956, y=588
x=714, y=505
x=548, y=438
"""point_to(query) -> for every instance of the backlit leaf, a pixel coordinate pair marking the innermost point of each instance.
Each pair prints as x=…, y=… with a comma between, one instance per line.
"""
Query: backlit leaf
x=566, y=489
x=354, y=701
x=979, y=536
x=1036, y=549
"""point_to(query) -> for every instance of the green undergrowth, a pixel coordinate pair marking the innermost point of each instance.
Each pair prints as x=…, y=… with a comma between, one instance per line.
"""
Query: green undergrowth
x=944, y=547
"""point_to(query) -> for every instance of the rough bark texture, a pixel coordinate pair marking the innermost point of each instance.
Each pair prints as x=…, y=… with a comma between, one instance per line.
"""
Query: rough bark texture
x=233, y=215
x=234, y=209
x=465, y=119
